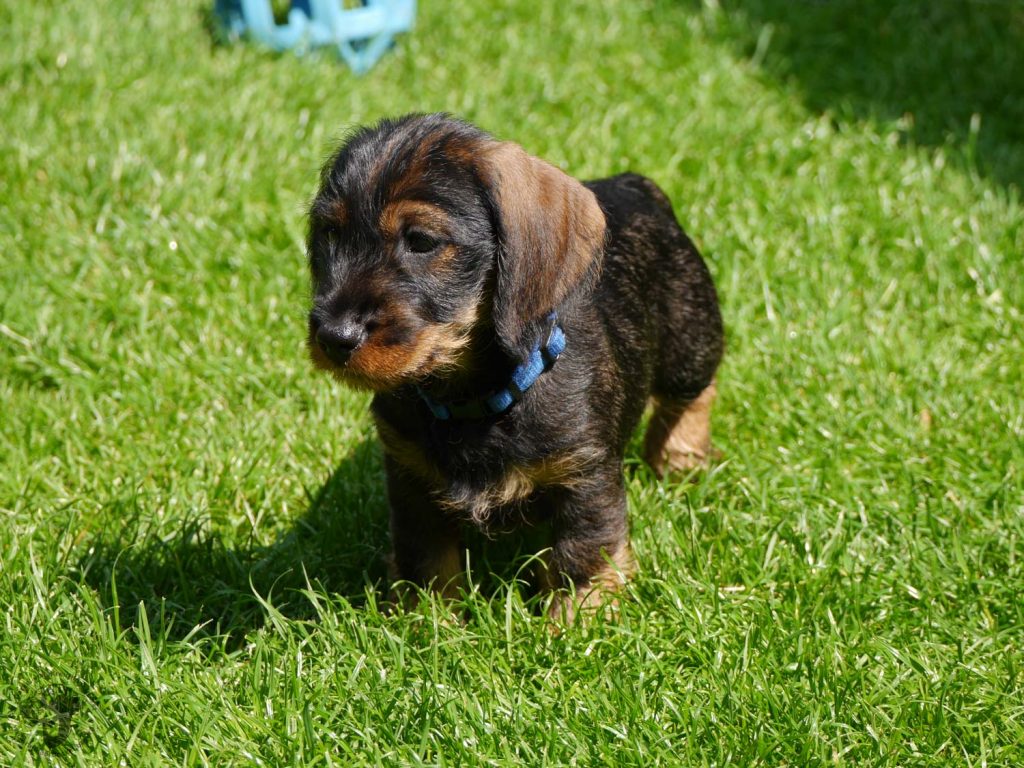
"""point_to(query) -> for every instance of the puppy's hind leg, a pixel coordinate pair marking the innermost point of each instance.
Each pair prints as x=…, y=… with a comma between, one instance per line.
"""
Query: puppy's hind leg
x=678, y=438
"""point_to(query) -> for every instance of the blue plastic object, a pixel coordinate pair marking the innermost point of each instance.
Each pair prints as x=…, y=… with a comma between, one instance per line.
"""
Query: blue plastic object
x=362, y=35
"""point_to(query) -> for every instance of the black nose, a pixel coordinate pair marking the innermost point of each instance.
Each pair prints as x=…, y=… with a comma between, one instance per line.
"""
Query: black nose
x=339, y=339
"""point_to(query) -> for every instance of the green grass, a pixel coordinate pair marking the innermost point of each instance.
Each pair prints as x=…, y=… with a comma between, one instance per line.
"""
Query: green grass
x=193, y=522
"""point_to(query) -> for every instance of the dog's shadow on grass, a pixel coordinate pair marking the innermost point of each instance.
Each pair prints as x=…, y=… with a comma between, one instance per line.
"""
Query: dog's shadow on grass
x=951, y=72
x=196, y=582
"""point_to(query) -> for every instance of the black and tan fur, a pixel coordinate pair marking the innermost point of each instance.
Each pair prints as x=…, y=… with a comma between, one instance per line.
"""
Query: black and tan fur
x=437, y=253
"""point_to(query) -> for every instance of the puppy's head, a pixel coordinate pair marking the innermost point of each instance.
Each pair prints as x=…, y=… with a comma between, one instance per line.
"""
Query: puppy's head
x=426, y=232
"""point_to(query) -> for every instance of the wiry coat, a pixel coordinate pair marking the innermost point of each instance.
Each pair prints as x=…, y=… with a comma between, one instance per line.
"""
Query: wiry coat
x=437, y=256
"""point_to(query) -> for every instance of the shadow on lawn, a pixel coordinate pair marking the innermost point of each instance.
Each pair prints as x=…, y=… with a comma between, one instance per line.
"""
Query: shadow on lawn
x=194, y=578
x=939, y=62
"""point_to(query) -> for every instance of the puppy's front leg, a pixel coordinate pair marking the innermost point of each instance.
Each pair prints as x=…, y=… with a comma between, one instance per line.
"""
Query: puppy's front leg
x=426, y=544
x=591, y=549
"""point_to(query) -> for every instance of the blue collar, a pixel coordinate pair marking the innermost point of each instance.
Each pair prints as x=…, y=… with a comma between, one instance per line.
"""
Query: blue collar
x=524, y=376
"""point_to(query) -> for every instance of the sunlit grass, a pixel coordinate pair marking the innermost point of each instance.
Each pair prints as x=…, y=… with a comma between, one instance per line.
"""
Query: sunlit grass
x=193, y=523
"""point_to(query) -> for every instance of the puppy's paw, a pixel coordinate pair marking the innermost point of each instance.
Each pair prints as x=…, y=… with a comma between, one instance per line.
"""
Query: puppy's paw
x=599, y=597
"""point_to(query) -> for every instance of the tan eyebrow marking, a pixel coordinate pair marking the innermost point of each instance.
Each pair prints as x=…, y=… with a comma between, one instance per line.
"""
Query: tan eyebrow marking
x=414, y=212
x=338, y=211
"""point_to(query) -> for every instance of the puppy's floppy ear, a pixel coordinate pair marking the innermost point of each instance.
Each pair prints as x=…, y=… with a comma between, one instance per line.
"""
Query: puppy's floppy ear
x=551, y=237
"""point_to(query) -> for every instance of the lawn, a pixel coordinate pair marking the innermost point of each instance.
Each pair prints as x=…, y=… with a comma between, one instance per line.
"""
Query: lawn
x=192, y=522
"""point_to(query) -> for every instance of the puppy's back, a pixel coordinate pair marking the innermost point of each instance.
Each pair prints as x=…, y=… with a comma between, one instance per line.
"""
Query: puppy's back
x=656, y=286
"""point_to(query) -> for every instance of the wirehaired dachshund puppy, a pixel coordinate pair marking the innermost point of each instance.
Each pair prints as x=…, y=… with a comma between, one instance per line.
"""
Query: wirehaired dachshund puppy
x=513, y=324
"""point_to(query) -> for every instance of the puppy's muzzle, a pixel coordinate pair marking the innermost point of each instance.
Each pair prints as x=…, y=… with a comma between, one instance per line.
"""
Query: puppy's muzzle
x=339, y=338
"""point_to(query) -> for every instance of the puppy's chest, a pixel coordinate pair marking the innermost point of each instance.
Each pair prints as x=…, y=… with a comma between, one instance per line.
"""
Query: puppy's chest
x=482, y=480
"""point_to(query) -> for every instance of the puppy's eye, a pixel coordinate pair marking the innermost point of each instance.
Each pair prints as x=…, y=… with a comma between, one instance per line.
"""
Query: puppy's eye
x=420, y=242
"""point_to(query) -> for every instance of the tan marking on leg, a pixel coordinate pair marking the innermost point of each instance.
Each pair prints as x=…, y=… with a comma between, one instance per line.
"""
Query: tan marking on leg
x=449, y=579
x=679, y=436
x=443, y=574
x=602, y=590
